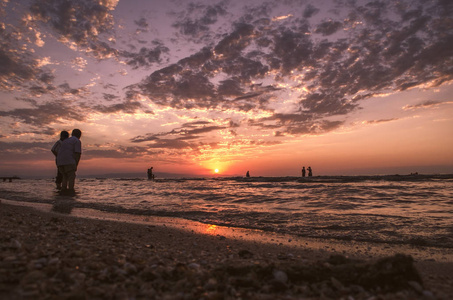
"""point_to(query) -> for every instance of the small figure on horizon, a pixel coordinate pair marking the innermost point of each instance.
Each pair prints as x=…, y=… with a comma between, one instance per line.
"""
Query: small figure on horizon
x=68, y=159
x=150, y=174
x=303, y=171
x=309, y=172
x=56, y=147
x=248, y=174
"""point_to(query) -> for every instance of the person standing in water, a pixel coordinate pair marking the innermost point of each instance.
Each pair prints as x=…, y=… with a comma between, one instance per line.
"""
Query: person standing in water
x=303, y=171
x=56, y=147
x=150, y=174
x=68, y=159
x=310, y=173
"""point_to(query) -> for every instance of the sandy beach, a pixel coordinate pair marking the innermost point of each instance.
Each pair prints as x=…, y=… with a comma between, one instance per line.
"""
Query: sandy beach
x=49, y=255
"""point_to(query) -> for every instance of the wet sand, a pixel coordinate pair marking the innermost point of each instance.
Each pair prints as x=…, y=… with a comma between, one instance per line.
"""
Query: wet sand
x=55, y=255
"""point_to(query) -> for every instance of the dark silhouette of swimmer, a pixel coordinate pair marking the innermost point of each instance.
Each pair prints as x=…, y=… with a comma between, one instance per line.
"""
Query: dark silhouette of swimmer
x=309, y=172
x=303, y=171
x=150, y=174
x=248, y=174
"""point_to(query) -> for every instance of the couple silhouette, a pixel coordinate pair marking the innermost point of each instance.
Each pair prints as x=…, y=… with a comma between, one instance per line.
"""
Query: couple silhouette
x=67, y=151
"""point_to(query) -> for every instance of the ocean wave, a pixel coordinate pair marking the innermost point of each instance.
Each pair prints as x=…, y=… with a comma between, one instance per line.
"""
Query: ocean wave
x=380, y=209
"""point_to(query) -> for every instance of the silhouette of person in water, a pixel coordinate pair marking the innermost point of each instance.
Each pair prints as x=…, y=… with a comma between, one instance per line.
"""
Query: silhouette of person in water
x=303, y=171
x=56, y=147
x=248, y=174
x=68, y=159
x=150, y=174
x=309, y=172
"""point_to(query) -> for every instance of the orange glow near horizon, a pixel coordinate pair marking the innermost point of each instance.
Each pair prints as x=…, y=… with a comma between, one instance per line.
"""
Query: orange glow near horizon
x=401, y=146
x=202, y=106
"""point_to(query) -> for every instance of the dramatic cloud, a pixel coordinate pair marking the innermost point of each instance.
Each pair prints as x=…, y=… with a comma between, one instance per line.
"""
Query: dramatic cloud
x=43, y=114
x=378, y=52
x=121, y=152
x=23, y=151
x=79, y=21
x=198, y=76
x=188, y=131
x=146, y=57
x=17, y=65
x=196, y=19
x=295, y=124
x=128, y=107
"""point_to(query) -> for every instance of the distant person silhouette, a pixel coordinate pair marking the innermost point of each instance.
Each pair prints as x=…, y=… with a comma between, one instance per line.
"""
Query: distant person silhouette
x=56, y=147
x=303, y=171
x=248, y=174
x=309, y=172
x=68, y=159
x=150, y=174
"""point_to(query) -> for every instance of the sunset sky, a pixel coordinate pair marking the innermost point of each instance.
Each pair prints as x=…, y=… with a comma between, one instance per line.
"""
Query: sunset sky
x=346, y=87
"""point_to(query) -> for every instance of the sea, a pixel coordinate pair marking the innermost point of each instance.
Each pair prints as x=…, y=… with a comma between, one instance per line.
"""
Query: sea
x=393, y=209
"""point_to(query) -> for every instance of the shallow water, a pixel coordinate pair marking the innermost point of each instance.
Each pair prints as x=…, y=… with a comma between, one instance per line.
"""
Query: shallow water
x=413, y=210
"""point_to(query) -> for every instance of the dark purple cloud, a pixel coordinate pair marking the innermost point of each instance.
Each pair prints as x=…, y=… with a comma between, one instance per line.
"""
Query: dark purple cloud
x=310, y=11
x=110, y=97
x=128, y=107
x=328, y=65
x=146, y=57
x=196, y=19
x=80, y=21
x=43, y=114
x=381, y=54
x=187, y=131
x=328, y=27
x=24, y=151
x=120, y=152
x=295, y=124
x=18, y=68
x=141, y=23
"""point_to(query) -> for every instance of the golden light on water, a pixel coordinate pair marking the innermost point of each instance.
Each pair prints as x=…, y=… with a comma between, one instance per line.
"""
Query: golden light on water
x=211, y=229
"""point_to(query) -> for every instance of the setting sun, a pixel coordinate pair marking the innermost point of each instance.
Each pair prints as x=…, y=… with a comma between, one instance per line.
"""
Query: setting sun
x=212, y=131
x=208, y=103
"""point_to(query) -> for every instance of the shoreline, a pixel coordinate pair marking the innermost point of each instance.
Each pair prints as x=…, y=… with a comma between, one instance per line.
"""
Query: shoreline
x=358, y=249
x=46, y=253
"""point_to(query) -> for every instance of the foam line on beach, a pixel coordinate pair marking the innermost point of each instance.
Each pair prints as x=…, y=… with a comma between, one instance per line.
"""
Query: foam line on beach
x=350, y=247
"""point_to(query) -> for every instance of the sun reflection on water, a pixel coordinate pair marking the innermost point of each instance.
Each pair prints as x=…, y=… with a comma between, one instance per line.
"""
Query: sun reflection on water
x=211, y=229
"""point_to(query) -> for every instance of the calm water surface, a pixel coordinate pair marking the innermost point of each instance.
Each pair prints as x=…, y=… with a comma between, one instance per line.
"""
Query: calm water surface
x=415, y=210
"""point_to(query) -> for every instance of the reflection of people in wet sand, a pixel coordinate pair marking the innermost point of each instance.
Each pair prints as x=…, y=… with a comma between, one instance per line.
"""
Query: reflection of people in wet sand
x=248, y=174
x=150, y=174
x=310, y=173
x=63, y=206
x=68, y=159
x=303, y=171
x=56, y=147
